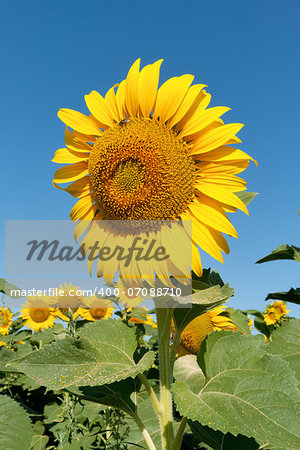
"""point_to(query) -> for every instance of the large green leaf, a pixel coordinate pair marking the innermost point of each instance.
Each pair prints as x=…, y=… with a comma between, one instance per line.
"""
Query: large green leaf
x=285, y=342
x=16, y=431
x=103, y=353
x=202, y=301
x=293, y=296
x=247, y=391
x=219, y=441
x=282, y=252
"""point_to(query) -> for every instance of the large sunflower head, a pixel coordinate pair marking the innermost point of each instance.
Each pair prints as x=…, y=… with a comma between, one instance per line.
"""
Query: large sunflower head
x=149, y=154
x=195, y=332
x=5, y=320
x=275, y=312
x=37, y=315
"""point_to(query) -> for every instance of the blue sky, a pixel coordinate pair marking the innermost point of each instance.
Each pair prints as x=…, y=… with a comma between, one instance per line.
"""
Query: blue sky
x=246, y=52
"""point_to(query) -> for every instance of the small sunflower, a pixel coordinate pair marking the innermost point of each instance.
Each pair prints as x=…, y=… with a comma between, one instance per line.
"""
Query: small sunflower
x=196, y=331
x=275, y=312
x=94, y=314
x=129, y=301
x=5, y=320
x=141, y=316
x=37, y=315
x=149, y=154
x=70, y=301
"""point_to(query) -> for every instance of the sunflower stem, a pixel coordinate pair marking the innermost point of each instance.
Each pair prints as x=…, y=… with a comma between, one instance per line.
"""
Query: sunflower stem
x=154, y=400
x=164, y=316
x=144, y=431
x=179, y=435
x=174, y=348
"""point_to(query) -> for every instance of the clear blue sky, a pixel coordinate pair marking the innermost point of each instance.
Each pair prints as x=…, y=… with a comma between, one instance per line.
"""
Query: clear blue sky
x=246, y=52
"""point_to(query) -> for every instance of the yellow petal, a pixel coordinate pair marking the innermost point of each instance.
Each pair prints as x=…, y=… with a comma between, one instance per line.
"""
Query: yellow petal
x=202, y=120
x=71, y=173
x=228, y=181
x=215, y=138
x=78, y=189
x=132, y=89
x=63, y=155
x=221, y=194
x=170, y=96
x=96, y=104
x=197, y=265
x=75, y=144
x=83, y=206
x=192, y=97
x=111, y=103
x=231, y=167
x=78, y=121
x=200, y=104
x=209, y=212
x=120, y=99
x=225, y=154
x=86, y=137
x=205, y=241
x=148, y=84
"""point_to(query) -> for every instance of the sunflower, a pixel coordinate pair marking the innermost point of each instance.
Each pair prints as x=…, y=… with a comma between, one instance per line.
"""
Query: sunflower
x=129, y=301
x=5, y=320
x=37, y=315
x=141, y=316
x=69, y=300
x=149, y=154
x=275, y=312
x=196, y=331
x=96, y=313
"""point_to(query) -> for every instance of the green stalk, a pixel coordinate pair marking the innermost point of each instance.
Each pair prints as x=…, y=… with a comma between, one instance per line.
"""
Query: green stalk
x=179, y=435
x=164, y=316
x=144, y=431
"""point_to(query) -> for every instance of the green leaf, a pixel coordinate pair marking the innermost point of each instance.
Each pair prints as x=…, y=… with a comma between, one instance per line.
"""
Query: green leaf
x=246, y=196
x=219, y=441
x=102, y=354
x=240, y=320
x=39, y=442
x=285, y=342
x=15, y=426
x=187, y=369
x=247, y=391
x=117, y=395
x=282, y=252
x=6, y=288
x=209, y=278
x=293, y=296
x=202, y=301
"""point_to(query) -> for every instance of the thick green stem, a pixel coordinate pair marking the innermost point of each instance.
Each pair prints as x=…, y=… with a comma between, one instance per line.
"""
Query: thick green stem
x=164, y=316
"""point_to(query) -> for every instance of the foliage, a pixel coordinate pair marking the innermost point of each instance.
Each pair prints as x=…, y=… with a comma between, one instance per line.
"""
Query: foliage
x=86, y=385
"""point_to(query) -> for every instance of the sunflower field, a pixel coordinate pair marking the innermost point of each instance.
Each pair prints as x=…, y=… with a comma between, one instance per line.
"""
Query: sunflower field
x=158, y=360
